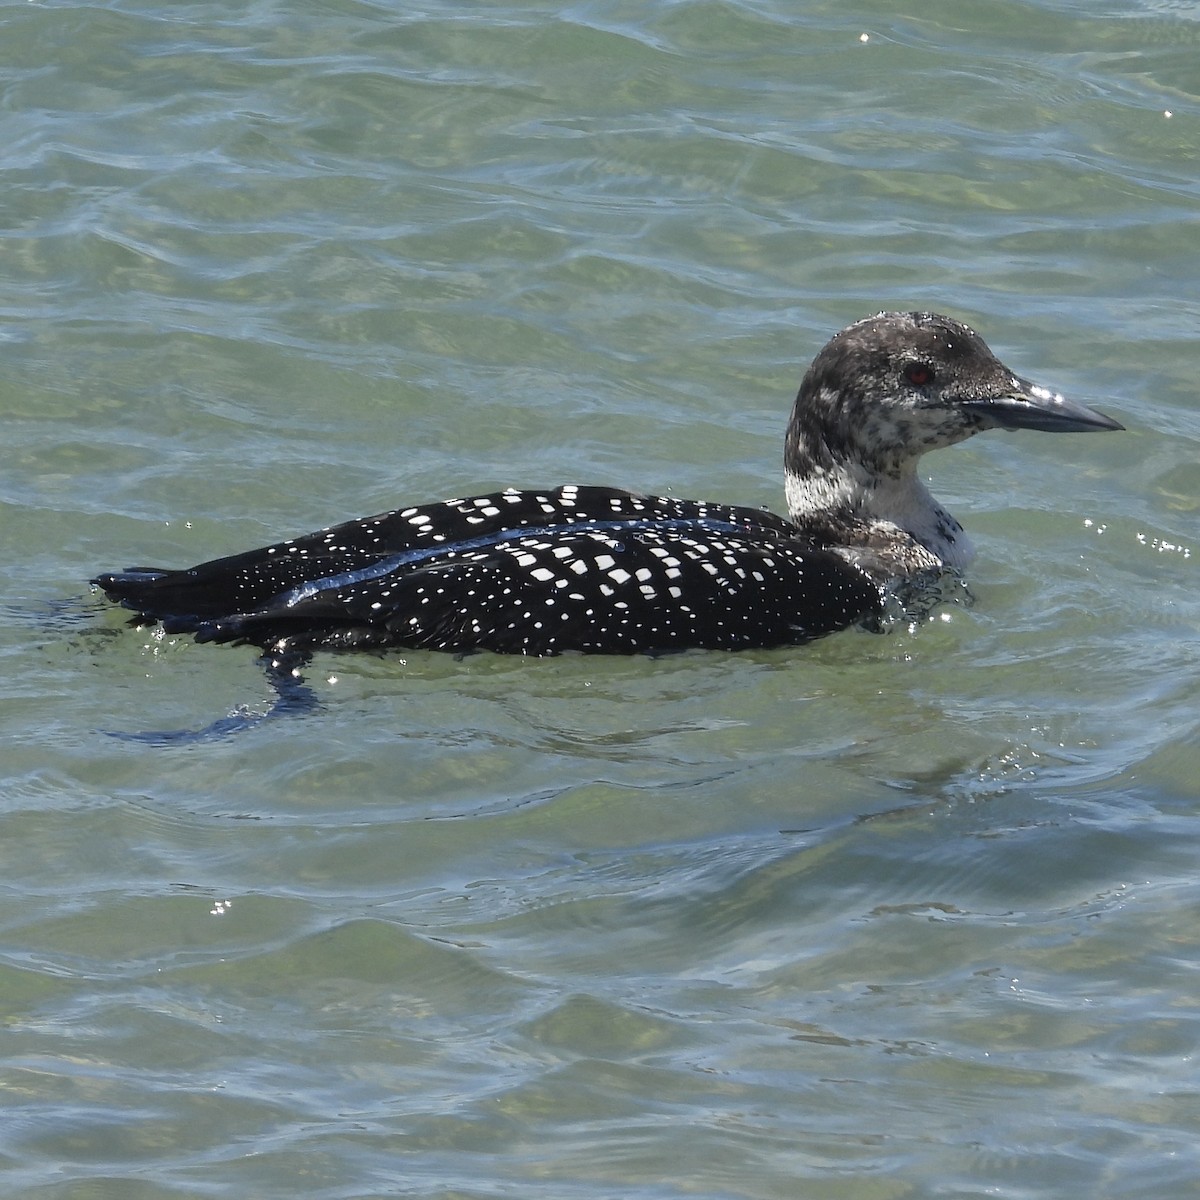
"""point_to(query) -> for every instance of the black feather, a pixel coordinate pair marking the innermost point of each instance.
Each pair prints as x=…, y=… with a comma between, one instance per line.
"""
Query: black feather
x=574, y=568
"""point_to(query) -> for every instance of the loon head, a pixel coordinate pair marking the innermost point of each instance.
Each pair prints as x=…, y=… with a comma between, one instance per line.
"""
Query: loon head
x=880, y=394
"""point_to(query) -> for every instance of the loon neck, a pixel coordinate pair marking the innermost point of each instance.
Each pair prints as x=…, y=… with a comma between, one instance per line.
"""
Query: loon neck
x=886, y=520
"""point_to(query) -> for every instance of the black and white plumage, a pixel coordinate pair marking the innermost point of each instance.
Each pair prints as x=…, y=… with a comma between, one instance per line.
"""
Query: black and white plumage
x=606, y=571
x=526, y=572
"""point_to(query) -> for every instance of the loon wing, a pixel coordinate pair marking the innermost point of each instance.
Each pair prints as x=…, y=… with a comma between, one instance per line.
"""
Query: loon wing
x=574, y=568
x=644, y=590
x=245, y=582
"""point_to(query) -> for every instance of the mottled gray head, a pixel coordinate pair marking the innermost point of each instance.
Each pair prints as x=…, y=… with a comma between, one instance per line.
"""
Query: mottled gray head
x=889, y=388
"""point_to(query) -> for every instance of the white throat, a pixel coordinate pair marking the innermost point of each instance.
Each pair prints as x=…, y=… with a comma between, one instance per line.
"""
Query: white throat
x=901, y=502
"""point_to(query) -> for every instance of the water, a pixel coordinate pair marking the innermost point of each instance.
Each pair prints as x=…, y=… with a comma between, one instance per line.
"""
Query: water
x=883, y=917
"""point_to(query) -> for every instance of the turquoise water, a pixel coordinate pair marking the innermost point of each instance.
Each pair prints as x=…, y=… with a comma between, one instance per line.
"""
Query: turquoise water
x=912, y=915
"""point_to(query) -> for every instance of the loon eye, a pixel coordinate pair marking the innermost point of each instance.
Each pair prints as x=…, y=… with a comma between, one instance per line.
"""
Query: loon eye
x=918, y=373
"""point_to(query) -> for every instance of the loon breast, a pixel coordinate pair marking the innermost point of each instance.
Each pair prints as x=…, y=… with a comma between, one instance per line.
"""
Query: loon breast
x=590, y=569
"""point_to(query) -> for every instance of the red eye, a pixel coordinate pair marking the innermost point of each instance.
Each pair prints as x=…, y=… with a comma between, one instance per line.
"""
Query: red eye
x=918, y=374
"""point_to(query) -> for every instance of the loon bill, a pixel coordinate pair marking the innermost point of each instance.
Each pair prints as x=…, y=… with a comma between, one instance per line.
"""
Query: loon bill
x=606, y=571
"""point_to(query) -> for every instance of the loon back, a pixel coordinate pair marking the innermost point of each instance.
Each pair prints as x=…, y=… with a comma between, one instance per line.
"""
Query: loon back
x=575, y=568
x=606, y=571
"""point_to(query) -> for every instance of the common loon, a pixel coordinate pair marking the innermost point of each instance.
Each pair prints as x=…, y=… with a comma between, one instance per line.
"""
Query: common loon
x=605, y=571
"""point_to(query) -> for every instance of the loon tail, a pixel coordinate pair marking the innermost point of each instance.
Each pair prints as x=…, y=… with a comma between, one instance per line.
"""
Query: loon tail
x=158, y=594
